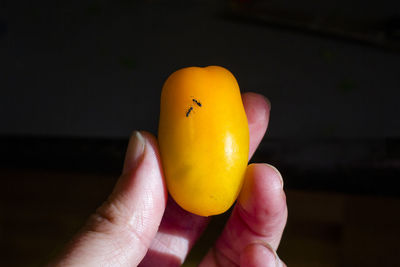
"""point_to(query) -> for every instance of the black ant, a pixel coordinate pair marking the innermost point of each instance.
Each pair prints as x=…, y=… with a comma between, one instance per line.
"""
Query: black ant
x=197, y=102
x=188, y=112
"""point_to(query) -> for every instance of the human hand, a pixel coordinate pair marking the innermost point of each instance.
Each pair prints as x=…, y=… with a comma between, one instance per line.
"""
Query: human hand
x=139, y=225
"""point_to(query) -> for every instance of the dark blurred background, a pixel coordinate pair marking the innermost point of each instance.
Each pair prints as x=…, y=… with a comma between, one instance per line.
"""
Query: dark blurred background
x=77, y=77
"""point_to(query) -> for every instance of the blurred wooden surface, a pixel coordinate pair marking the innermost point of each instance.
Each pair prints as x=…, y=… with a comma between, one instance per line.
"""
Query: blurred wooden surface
x=41, y=210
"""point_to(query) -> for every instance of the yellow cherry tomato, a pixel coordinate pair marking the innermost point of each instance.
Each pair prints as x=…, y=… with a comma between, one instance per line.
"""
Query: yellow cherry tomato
x=204, y=139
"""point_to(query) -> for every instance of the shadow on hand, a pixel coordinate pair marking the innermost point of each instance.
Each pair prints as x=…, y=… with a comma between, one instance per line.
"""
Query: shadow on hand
x=155, y=258
x=178, y=232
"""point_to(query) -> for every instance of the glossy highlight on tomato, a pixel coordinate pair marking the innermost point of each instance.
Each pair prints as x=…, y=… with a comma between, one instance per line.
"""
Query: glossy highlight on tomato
x=204, y=139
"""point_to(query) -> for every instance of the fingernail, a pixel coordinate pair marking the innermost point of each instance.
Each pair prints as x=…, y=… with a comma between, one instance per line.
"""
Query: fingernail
x=278, y=262
x=278, y=173
x=268, y=102
x=134, y=151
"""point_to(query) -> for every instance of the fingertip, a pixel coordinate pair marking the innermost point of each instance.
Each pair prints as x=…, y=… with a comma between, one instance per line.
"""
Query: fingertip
x=256, y=98
x=140, y=193
x=151, y=139
x=134, y=152
x=262, y=201
x=152, y=152
x=262, y=183
x=257, y=107
x=142, y=153
x=274, y=175
x=153, y=142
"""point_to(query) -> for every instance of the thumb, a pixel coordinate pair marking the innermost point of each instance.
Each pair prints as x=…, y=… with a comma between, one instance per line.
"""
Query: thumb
x=121, y=230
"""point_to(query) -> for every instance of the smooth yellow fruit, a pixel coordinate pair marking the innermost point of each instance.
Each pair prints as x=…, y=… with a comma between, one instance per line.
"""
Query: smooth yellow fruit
x=204, y=139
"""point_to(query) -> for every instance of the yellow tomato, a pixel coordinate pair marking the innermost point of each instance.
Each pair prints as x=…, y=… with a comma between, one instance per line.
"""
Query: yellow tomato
x=204, y=139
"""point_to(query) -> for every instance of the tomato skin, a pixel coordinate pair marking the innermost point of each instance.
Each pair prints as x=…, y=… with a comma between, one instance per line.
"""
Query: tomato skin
x=204, y=139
